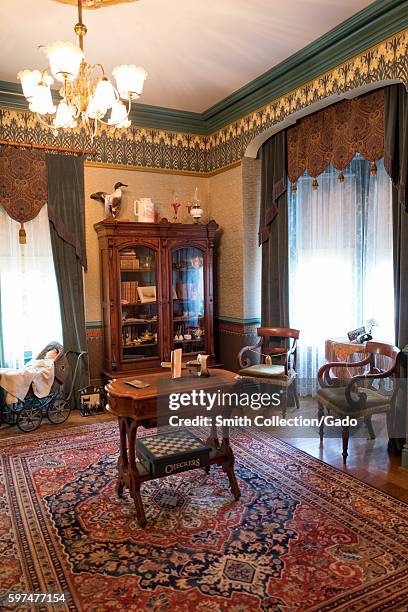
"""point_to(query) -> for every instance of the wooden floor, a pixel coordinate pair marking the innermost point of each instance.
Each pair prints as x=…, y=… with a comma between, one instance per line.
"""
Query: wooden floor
x=368, y=460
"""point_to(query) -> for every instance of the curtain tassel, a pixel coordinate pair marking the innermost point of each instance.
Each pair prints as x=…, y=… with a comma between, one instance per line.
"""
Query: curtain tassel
x=373, y=169
x=315, y=184
x=294, y=187
x=22, y=237
x=341, y=177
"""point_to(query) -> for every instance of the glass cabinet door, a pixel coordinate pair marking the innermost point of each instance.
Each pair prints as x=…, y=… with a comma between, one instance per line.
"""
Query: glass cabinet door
x=188, y=300
x=138, y=298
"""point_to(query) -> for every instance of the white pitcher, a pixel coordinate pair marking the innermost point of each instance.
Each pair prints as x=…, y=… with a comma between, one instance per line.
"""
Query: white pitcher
x=144, y=210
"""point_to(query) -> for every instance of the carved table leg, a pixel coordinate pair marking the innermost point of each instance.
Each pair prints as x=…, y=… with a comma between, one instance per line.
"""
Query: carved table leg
x=123, y=462
x=134, y=476
x=228, y=465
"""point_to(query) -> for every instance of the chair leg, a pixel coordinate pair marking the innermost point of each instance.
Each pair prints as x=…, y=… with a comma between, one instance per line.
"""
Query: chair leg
x=369, y=425
x=295, y=393
x=391, y=421
x=345, y=436
x=320, y=415
x=284, y=403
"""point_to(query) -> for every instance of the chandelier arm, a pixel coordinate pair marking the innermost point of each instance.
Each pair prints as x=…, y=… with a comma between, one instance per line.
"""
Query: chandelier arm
x=48, y=125
x=97, y=66
x=51, y=126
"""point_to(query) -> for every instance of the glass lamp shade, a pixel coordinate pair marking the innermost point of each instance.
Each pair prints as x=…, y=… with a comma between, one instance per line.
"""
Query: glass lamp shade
x=129, y=80
x=104, y=96
x=93, y=112
x=41, y=101
x=118, y=115
x=29, y=80
x=65, y=60
x=64, y=117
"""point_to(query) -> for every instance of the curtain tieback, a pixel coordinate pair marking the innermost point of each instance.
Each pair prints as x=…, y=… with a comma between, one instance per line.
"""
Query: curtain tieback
x=22, y=236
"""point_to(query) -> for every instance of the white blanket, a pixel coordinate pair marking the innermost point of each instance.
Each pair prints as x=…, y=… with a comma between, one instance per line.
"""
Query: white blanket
x=16, y=383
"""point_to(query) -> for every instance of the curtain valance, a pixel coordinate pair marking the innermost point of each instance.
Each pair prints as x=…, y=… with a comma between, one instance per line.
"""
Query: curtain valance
x=335, y=134
x=23, y=180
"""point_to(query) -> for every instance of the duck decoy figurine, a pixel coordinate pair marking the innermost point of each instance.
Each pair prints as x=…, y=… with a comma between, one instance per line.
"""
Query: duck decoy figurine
x=111, y=201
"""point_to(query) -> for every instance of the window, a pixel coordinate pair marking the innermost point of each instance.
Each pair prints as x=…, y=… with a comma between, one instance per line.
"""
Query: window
x=29, y=303
x=340, y=260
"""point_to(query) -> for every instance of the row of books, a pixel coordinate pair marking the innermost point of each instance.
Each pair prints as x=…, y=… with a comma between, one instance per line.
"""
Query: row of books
x=128, y=291
x=129, y=262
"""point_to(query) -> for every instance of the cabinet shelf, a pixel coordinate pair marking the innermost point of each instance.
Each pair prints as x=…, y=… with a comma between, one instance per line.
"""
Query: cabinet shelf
x=139, y=346
x=139, y=304
x=129, y=323
x=137, y=270
x=188, y=319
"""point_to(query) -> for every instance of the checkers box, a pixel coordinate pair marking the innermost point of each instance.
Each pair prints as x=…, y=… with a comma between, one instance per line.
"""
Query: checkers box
x=172, y=452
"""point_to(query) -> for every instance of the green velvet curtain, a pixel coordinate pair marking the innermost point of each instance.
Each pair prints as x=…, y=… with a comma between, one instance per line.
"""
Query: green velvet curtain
x=66, y=209
x=273, y=233
x=396, y=164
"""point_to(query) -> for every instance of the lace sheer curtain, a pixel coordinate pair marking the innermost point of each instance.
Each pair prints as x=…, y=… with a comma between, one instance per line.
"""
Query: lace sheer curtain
x=30, y=311
x=340, y=261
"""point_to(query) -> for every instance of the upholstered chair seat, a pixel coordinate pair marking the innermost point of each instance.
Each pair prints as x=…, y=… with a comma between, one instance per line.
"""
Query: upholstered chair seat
x=262, y=370
x=335, y=399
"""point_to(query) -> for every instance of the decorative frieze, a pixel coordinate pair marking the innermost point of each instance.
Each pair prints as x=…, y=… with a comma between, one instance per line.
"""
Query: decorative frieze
x=177, y=151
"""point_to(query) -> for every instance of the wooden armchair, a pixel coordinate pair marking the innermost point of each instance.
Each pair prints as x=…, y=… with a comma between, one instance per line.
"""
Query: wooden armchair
x=358, y=398
x=269, y=348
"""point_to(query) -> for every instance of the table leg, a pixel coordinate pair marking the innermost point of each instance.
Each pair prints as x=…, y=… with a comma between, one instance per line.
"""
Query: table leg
x=128, y=472
x=228, y=463
x=135, y=476
x=123, y=462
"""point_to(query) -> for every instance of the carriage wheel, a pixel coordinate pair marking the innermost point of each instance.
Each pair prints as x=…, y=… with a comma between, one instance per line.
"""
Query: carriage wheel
x=58, y=411
x=29, y=419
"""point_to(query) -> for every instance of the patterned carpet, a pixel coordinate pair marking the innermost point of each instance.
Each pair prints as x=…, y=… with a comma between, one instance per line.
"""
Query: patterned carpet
x=303, y=536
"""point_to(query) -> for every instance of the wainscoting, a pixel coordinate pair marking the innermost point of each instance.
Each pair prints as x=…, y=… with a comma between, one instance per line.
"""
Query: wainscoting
x=230, y=337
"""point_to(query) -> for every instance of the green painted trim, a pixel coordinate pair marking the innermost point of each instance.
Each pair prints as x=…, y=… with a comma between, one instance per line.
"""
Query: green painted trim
x=373, y=24
x=238, y=321
x=94, y=324
x=159, y=117
x=404, y=460
x=368, y=27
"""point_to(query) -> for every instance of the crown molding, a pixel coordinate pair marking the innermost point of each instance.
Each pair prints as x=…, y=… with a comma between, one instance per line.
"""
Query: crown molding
x=368, y=27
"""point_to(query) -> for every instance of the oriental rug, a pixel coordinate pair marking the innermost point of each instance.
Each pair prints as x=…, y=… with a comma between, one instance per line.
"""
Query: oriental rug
x=303, y=536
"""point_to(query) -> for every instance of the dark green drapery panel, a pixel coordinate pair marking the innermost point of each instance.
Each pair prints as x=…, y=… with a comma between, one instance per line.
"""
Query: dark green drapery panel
x=396, y=164
x=273, y=233
x=67, y=226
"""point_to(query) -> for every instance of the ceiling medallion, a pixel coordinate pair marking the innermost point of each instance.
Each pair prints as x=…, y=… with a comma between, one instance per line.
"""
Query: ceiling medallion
x=86, y=93
x=95, y=4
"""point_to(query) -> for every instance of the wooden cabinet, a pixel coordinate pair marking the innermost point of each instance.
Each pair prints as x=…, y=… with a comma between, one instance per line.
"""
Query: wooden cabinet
x=157, y=292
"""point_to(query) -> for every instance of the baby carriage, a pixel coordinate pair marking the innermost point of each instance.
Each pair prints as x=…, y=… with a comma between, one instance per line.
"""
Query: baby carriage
x=28, y=413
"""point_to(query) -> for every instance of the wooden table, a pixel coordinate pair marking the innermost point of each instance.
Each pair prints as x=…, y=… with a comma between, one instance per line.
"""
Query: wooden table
x=343, y=350
x=138, y=407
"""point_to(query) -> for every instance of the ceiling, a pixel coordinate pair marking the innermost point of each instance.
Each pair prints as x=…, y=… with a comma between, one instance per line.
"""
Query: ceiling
x=196, y=53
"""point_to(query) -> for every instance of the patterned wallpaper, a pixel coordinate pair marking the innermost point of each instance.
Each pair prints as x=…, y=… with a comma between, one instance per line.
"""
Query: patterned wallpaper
x=152, y=148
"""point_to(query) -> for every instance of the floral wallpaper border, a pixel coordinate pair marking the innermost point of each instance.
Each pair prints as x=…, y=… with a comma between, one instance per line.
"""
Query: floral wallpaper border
x=176, y=151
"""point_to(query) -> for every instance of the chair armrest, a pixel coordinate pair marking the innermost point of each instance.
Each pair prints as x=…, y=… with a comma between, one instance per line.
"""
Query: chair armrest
x=362, y=397
x=245, y=363
x=323, y=376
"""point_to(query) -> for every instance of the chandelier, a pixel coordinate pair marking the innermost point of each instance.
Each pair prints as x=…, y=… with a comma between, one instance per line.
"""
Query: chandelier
x=87, y=95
